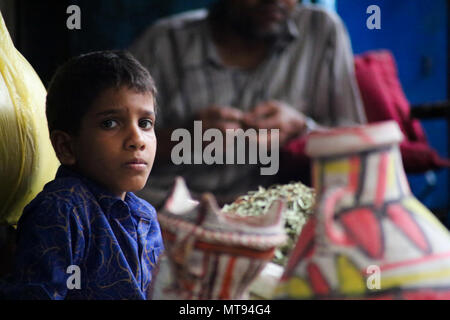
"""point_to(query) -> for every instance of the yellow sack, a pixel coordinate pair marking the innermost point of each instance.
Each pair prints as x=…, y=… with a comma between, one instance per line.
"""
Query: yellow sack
x=27, y=159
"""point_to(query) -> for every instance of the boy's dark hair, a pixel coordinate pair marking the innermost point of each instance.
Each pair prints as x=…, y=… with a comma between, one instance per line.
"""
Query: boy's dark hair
x=77, y=83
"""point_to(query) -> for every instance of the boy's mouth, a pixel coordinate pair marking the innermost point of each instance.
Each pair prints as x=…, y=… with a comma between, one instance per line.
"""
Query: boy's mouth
x=136, y=164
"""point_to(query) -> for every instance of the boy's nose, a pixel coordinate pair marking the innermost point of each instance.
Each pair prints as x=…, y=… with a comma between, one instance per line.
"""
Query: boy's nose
x=135, y=139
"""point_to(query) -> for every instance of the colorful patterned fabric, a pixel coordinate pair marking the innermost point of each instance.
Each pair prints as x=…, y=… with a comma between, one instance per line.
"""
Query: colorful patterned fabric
x=211, y=254
x=369, y=238
x=74, y=222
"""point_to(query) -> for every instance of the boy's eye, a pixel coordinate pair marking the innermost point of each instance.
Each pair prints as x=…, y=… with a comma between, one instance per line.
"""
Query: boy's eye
x=146, y=123
x=109, y=124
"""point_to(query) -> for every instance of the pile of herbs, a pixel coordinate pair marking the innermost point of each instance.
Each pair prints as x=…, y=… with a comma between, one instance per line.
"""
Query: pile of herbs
x=299, y=200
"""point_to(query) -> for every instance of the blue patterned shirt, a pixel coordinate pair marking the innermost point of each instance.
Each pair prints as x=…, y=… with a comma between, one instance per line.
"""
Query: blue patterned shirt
x=78, y=241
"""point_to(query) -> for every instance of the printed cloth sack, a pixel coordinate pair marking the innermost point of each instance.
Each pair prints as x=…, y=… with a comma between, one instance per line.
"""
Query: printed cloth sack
x=369, y=237
x=210, y=254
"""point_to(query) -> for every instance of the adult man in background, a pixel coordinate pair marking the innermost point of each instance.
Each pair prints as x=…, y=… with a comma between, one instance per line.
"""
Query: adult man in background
x=263, y=64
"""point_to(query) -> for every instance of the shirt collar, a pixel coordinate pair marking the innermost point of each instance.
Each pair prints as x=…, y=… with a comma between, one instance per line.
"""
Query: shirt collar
x=292, y=29
x=141, y=208
x=106, y=199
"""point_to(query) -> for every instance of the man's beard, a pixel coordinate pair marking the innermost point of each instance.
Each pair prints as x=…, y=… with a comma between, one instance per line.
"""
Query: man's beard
x=247, y=27
x=250, y=31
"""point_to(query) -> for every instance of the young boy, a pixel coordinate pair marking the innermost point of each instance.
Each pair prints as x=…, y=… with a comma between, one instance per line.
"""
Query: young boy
x=86, y=235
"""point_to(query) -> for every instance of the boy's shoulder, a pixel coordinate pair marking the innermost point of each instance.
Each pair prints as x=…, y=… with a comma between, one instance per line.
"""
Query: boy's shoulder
x=60, y=196
x=70, y=190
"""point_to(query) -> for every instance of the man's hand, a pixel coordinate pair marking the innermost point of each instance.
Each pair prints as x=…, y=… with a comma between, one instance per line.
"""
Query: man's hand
x=277, y=115
x=221, y=118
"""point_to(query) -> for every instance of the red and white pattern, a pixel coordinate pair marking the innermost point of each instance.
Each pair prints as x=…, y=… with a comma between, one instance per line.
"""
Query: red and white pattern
x=210, y=254
x=366, y=218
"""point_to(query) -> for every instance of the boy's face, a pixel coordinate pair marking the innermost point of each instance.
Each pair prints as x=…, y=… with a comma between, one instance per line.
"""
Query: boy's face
x=116, y=144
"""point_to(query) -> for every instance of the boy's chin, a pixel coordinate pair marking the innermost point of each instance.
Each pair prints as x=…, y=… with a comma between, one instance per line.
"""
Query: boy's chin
x=135, y=188
x=135, y=184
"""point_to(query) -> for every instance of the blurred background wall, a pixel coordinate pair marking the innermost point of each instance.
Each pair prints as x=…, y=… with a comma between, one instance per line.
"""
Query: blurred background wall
x=416, y=31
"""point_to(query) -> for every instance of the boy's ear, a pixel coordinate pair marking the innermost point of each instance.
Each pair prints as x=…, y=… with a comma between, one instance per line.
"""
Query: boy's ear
x=63, y=144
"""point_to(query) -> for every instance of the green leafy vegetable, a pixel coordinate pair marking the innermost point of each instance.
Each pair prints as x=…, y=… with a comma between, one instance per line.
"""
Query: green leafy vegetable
x=299, y=199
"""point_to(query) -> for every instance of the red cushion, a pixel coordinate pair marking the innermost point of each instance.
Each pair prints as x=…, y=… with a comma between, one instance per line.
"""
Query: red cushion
x=384, y=99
